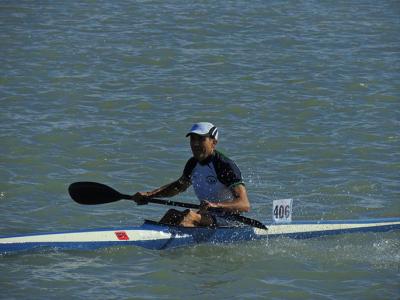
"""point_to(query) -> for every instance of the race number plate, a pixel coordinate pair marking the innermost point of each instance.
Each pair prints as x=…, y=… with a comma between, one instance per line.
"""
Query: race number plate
x=282, y=210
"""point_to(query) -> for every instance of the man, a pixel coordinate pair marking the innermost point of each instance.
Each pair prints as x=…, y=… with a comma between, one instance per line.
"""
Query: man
x=216, y=180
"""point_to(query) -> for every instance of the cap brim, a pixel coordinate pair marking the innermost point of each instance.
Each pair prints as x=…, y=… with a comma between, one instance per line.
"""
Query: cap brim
x=198, y=133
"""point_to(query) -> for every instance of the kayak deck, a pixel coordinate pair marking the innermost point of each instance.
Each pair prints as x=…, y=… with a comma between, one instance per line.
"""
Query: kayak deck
x=153, y=235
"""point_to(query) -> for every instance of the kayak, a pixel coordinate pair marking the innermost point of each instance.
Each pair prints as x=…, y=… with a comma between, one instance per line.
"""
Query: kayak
x=156, y=236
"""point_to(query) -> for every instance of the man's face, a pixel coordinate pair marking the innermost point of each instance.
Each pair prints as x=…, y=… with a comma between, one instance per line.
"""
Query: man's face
x=202, y=146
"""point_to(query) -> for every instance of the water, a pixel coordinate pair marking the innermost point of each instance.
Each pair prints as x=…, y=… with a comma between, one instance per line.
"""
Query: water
x=306, y=97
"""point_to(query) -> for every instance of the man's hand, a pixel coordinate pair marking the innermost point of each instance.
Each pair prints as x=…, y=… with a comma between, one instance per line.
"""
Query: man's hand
x=207, y=205
x=140, y=198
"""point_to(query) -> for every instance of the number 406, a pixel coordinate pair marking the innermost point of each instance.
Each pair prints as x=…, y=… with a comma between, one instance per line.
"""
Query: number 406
x=281, y=211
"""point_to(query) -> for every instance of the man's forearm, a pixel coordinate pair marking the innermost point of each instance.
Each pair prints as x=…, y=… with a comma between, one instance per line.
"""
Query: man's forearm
x=169, y=190
x=236, y=205
x=240, y=202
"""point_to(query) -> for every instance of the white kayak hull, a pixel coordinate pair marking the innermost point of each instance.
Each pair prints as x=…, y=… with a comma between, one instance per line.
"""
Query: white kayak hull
x=152, y=235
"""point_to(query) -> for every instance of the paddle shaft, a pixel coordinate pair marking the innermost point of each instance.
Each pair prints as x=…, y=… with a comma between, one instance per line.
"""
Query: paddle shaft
x=165, y=202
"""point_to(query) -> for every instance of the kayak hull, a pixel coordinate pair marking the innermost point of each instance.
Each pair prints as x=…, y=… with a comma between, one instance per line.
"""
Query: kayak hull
x=152, y=235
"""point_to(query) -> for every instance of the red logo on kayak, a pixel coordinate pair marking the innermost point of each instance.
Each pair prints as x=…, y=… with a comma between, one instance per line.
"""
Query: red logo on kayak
x=121, y=235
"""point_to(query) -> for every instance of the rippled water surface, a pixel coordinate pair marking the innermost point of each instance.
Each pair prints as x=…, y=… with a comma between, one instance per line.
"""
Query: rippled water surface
x=306, y=98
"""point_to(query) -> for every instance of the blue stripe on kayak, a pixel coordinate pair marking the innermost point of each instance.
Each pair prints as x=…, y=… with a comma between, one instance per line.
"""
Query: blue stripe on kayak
x=307, y=235
x=43, y=246
x=353, y=221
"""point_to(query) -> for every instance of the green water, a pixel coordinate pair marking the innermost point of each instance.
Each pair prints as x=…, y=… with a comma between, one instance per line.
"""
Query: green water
x=306, y=98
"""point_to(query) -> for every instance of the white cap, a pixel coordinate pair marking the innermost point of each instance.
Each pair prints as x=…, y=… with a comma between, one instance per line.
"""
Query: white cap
x=204, y=129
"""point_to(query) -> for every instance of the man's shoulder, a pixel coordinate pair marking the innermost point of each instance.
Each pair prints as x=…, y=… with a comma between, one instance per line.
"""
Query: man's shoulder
x=227, y=170
x=224, y=163
x=222, y=158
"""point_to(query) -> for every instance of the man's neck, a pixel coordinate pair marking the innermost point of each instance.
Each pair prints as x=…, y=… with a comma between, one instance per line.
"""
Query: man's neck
x=207, y=159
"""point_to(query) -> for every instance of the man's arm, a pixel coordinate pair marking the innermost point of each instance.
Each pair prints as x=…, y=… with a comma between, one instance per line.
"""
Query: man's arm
x=168, y=190
x=239, y=204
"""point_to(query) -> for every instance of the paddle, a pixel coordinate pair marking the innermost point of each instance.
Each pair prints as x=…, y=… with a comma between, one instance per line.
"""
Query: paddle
x=92, y=193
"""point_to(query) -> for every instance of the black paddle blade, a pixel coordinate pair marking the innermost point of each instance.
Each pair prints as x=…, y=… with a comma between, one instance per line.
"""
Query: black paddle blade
x=91, y=193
